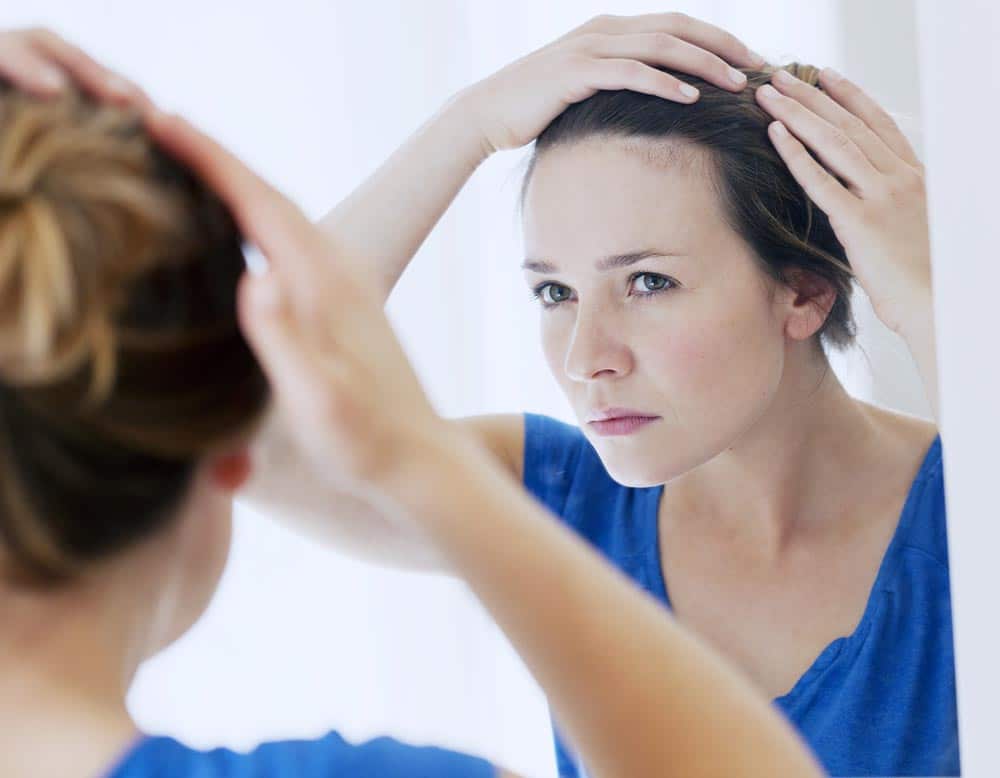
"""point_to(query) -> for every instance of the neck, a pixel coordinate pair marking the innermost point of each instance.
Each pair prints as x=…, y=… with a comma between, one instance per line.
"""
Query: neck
x=67, y=659
x=787, y=472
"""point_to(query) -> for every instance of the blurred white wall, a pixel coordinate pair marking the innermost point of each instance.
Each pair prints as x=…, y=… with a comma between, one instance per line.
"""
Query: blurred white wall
x=960, y=88
x=314, y=95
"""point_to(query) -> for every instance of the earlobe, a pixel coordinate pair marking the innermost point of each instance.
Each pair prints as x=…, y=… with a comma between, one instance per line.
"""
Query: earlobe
x=230, y=471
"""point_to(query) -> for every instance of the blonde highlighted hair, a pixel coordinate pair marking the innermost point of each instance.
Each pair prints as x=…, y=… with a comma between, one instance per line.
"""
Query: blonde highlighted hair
x=121, y=363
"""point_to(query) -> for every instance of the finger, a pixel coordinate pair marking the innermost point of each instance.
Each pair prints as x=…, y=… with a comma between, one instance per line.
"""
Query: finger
x=324, y=292
x=93, y=77
x=882, y=157
x=292, y=244
x=611, y=74
x=29, y=71
x=837, y=151
x=267, y=323
x=659, y=48
x=695, y=31
x=266, y=216
x=821, y=187
x=859, y=103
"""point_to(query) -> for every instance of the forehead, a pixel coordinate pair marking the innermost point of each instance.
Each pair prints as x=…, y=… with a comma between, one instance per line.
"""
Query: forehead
x=602, y=196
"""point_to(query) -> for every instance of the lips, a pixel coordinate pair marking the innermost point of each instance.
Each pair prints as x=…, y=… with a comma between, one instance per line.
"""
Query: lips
x=606, y=414
x=620, y=421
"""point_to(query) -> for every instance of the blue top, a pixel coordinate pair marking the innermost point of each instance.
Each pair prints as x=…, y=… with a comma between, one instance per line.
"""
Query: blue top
x=880, y=701
x=326, y=757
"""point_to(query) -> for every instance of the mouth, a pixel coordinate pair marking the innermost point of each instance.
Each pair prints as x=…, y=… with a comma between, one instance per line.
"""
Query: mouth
x=617, y=422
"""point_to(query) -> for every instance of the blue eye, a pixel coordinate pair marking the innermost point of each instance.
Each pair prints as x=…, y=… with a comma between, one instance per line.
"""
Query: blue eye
x=651, y=283
x=550, y=294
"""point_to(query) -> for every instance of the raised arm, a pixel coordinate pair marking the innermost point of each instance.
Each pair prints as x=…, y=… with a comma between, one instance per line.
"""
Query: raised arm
x=879, y=213
x=383, y=223
x=637, y=694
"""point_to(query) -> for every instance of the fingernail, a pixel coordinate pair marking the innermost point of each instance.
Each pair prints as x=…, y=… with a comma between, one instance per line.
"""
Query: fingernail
x=756, y=58
x=256, y=262
x=832, y=75
x=688, y=91
x=779, y=129
x=769, y=91
x=737, y=77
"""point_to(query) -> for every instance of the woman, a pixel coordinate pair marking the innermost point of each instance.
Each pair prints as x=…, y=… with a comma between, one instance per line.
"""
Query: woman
x=127, y=400
x=693, y=262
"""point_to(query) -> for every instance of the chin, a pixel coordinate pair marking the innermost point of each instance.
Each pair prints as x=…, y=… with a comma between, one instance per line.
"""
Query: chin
x=635, y=472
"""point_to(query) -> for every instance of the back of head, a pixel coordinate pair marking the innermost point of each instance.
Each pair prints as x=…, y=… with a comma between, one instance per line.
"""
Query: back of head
x=121, y=362
x=791, y=238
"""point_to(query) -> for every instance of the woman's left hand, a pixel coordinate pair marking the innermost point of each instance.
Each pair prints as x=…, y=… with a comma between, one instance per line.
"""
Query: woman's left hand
x=880, y=215
x=316, y=322
x=43, y=64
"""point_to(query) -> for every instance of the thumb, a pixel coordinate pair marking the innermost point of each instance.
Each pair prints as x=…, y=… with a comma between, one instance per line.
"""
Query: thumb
x=270, y=328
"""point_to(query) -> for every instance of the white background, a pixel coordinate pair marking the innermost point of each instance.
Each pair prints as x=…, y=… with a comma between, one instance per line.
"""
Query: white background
x=314, y=95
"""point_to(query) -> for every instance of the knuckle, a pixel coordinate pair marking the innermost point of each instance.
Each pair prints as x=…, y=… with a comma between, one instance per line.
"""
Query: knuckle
x=678, y=20
x=909, y=182
x=839, y=139
x=884, y=121
x=852, y=126
x=601, y=21
x=847, y=88
x=44, y=35
x=631, y=69
x=664, y=40
x=589, y=42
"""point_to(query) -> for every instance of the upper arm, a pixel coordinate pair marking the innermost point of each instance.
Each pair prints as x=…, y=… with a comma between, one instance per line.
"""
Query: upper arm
x=502, y=435
x=292, y=491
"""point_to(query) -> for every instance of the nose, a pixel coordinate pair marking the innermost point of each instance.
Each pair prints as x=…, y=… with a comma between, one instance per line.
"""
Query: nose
x=594, y=352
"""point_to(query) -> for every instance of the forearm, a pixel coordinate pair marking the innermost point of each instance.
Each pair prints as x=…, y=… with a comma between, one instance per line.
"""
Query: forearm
x=920, y=338
x=384, y=222
x=285, y=486
x=637, y=694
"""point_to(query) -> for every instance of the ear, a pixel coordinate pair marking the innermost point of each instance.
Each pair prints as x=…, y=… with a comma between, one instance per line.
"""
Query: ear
x=809, y=301
x=229, y=471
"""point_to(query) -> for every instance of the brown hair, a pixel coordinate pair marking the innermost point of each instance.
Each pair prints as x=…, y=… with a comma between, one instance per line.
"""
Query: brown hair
x=790, y=236
x=121, y=363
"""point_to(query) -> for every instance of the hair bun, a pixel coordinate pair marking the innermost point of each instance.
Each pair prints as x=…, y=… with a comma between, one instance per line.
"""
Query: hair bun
x=76, y=222
x=803, y=72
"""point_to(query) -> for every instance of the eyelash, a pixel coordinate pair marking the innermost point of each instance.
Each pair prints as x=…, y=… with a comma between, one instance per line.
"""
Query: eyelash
x=536, y=293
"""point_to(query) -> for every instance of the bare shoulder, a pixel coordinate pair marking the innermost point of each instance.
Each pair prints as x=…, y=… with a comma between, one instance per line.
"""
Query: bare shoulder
x=906, y=437
x=502, y=434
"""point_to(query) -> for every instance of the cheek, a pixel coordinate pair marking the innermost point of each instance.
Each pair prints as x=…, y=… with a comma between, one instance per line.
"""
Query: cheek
x=716, y=366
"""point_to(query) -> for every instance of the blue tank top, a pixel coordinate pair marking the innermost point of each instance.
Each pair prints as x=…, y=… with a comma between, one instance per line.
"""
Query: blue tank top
x=325, y=757
x=880, y=701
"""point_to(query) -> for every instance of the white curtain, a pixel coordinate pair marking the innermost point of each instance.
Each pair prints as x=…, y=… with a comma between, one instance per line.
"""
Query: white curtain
x=315, y=94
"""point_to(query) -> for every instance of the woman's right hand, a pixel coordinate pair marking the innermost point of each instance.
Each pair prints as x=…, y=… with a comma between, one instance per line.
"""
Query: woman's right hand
x=512, y=107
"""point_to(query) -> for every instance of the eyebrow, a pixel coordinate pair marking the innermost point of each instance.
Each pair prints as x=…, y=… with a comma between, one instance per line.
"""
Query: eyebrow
x=603, y=265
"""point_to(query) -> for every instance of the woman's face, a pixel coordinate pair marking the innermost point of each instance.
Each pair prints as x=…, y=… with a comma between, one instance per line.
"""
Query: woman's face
x=655, y=304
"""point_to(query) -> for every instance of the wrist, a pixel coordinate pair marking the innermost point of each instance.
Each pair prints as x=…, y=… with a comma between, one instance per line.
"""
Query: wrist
x=915, y=317
x=461, y=113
